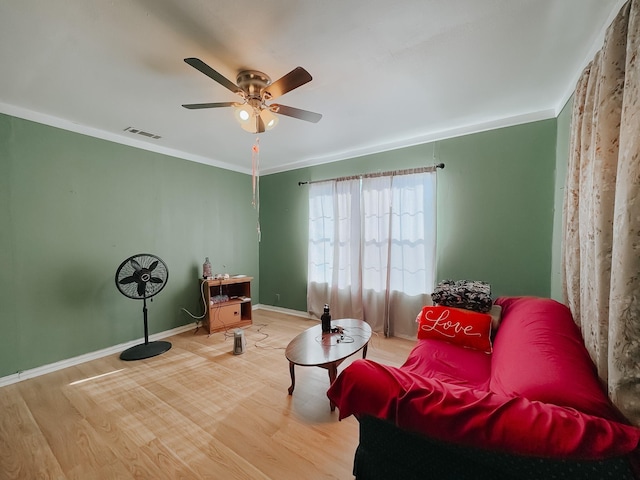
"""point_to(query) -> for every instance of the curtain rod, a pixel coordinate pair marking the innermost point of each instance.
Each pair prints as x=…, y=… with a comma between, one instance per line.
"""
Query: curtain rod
x=407, y=171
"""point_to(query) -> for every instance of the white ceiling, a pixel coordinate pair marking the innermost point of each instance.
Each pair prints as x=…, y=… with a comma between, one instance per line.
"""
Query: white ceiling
x=385, y=73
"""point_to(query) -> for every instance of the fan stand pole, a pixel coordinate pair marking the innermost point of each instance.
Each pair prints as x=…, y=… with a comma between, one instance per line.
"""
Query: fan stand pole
x=146, y=325
x=146, y=349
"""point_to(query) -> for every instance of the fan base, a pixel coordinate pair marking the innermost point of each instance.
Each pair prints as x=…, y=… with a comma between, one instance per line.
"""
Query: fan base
x=145, y=350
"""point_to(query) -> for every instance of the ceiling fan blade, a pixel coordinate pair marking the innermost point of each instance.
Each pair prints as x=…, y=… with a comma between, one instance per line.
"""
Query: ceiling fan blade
x=296, y=113
x=136, y=266
x=155, y=280
x=211, y=73
x=142, y=286
x=195, y=106
x=153, y=266
x=294, y=79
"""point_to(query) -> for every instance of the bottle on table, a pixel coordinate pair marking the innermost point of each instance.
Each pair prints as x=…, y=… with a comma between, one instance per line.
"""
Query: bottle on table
x=326, y=319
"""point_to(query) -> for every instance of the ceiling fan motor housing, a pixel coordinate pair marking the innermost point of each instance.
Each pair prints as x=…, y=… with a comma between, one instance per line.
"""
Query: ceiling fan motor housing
x=252, y=82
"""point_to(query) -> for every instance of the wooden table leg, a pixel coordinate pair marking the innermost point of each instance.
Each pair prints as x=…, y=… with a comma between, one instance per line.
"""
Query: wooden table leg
x=364, y=350
x=333, y=373
x=293, y=378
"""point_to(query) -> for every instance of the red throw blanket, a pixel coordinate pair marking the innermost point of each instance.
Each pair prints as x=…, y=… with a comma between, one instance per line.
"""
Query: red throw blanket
x=537, y=394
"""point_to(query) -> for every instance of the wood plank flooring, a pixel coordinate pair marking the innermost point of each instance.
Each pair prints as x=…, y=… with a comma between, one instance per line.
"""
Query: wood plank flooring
x=194, y=412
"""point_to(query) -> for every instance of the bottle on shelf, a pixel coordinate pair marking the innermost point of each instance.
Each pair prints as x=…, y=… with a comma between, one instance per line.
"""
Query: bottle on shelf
x=206, y=268
x=326, y=319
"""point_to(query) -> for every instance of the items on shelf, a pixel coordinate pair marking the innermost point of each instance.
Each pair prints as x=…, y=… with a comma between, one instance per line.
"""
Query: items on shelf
x=218, y=299
x=206, y=268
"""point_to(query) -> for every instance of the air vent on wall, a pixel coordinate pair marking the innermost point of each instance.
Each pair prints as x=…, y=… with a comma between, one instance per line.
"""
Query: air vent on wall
x=142, y=132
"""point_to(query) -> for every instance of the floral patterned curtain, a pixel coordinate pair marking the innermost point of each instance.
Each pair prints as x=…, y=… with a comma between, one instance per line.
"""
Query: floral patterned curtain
x=602, y=210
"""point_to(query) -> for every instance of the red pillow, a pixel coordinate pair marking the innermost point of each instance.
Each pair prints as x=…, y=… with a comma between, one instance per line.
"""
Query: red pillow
x=456, y=325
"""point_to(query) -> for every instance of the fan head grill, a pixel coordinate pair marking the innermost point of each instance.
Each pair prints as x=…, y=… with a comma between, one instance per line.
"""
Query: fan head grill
x=141, y=276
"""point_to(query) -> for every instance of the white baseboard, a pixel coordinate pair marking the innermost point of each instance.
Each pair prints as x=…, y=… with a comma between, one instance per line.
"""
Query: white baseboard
x=69, y=362
x=288, y=311
x=52, y=367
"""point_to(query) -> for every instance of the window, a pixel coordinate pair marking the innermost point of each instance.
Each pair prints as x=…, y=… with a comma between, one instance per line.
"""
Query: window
x=372, y=248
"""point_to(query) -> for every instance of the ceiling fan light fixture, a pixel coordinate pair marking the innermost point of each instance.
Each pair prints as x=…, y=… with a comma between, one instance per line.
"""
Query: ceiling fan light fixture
x=250, y=126
x=269, y=119
x=244, y=113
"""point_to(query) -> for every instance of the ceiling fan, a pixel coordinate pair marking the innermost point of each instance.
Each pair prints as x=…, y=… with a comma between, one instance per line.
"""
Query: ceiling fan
x=256, y=88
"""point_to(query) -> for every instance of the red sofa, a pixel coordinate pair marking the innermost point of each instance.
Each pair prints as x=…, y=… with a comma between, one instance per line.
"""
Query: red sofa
x=535, y=398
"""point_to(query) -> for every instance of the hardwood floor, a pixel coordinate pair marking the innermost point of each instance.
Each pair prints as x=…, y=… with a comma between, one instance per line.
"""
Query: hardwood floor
x=194, y=412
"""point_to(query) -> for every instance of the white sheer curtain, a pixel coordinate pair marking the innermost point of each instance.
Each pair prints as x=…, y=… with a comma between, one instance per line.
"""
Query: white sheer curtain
x=372, y=249
x=376, y=243
x=334, y=249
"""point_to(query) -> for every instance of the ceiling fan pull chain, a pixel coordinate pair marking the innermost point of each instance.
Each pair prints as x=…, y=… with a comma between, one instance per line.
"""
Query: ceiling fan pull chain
x=255, y=177
x=255, y=166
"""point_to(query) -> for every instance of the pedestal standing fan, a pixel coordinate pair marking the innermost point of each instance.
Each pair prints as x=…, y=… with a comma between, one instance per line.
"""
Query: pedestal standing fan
x=140, y=277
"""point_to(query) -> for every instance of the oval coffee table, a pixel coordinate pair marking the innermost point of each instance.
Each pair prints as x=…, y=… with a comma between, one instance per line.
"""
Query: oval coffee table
x=312, y=348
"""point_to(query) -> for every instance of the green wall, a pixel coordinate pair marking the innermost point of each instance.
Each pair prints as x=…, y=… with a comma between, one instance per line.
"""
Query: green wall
x=495, y=211
x=73, y=207
x=562, y=163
